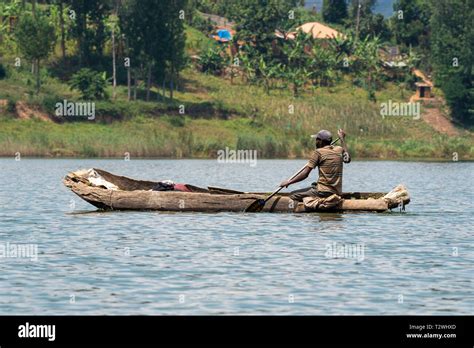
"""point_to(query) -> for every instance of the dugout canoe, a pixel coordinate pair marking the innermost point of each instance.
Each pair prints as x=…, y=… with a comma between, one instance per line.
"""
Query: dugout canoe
x=107, y=191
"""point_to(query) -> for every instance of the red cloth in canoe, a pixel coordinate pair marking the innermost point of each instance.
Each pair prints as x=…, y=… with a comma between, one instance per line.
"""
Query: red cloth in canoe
x=181, y=187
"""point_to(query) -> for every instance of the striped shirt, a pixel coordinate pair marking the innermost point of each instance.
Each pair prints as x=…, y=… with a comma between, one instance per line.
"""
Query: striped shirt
x=329, y=160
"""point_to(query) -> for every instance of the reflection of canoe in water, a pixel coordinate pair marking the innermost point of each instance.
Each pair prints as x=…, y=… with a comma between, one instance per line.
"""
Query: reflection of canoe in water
x=108, y=191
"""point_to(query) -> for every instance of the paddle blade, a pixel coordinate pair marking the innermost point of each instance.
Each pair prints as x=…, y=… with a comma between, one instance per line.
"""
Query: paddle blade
x=256, y=206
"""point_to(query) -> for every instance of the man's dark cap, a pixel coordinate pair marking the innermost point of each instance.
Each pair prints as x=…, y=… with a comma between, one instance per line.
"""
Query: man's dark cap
x=323, y=135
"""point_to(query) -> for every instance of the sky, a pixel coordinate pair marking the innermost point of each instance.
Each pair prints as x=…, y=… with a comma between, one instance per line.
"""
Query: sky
x=384, y=7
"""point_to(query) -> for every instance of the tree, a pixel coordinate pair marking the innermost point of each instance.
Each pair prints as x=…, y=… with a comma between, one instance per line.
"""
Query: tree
x=144, y=26
x=174, y=41
x=367, y=64
x=91, y=84
x=89, y=28
x=410, y=22
x=410, y=26
x=359, y=12
x=7, y=11
x=213, y=60
x=126, y=27
x=155, y=34
x=63, y=32
x=247, y=64
x=268, y=72
x=296, y=64
x=218, y=7
x=257, y=21
x=33, y=7
x=324, y=65
x=112, y=25
x=334, y=11
x=367, y=23
x=452, y=49
x=35, y=39
x=58, y=17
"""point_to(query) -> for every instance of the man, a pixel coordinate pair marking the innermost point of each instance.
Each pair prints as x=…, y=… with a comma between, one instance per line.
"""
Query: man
x=328, y=159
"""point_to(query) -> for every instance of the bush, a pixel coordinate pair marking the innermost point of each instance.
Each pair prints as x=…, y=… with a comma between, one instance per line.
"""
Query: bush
x=3, y=72
x=213, y=61
x=176, y=121
x=91, y=84
x=49, y=102
x=11, y=105
x=201, y=24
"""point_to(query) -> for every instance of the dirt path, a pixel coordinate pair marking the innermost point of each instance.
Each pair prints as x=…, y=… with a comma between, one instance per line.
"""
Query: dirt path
x=435, y=118
x=218, y=20
x=433, y=115
x=25, y=112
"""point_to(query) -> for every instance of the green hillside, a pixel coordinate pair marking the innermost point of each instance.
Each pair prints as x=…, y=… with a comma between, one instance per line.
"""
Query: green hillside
x=211, y=111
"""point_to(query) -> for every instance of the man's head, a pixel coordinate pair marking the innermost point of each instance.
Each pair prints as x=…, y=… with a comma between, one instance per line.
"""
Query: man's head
x=323, y=138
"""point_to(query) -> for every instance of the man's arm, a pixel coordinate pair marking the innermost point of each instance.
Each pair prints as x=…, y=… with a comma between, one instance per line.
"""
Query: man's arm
x=300, y=177
x=346, y=157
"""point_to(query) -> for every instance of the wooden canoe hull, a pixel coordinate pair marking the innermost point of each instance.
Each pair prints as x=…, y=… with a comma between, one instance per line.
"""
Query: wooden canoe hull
x=201, y=200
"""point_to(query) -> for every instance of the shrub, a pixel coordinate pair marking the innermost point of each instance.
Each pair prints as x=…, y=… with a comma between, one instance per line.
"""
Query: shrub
x=212, y=60
x=201, y=24
x=49, y=102
x=11, y=105
x=91, y=84
x=3, y=72
x=176, y=121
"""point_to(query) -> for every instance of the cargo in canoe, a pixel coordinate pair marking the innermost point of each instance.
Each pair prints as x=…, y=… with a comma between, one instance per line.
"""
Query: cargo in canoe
x=112, y=192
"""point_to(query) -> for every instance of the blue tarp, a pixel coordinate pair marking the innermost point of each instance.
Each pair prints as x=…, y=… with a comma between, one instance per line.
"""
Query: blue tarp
x=224, y=34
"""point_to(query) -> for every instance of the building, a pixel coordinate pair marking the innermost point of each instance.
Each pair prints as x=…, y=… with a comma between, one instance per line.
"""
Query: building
x=423, y=90
x=316, y=29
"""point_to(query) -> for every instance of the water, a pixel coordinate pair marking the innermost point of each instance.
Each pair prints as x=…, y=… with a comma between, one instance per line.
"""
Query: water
x=384, y=7
x=89, y=262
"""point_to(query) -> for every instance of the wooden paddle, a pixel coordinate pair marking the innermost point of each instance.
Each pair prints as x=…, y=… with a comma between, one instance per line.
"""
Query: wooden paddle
x=257, y=205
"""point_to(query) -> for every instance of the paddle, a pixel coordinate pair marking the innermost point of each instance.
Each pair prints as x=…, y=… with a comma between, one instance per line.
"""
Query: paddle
x=257, y=205
x=218, y=190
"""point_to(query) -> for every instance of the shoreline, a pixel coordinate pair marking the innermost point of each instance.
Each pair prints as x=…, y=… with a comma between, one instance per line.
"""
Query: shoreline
x=354, y=159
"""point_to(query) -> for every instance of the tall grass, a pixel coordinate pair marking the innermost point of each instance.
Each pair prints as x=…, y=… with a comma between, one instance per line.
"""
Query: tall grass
x=197, y=138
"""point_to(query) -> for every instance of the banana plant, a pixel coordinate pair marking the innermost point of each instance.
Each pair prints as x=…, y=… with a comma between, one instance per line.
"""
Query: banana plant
x=369, y=64
x=297, y=67
x=7, y=11
x=247, y=64
x=324, y=63
x=268, y=72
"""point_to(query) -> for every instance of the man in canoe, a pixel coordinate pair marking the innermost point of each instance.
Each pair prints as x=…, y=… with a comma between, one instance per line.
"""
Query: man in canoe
x=329, y=159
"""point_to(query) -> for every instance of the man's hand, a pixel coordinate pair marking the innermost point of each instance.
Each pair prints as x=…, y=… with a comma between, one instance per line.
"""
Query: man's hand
x=346, y=157
x=341, y=134
x=285, y=183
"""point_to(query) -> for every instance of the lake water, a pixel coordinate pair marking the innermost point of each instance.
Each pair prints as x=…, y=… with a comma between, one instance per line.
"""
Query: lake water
x=89, y=262
x=384, y=7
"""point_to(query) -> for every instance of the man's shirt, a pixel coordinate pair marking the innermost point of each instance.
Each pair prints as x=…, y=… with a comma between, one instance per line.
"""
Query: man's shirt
x=329, y=160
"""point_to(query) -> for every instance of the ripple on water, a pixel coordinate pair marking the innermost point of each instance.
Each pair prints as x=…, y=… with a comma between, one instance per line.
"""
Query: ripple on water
x=419, y=262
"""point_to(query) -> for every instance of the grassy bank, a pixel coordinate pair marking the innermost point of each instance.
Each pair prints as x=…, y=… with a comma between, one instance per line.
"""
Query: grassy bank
x=147, y=137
